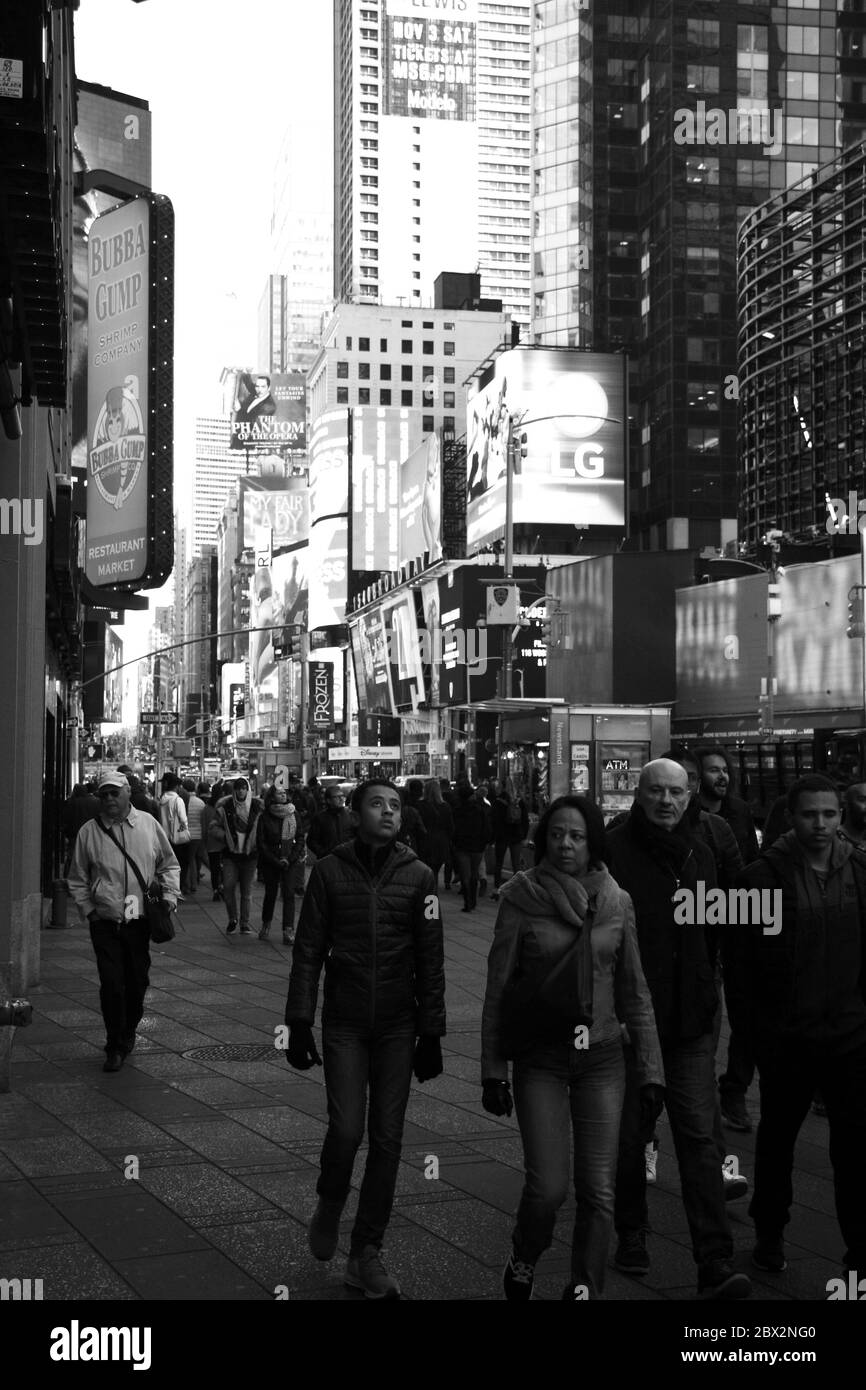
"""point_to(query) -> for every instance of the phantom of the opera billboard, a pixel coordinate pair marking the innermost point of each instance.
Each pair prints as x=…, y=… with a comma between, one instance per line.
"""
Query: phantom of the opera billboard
x=571, y=407
x=428, y=61
x=269, y=411
x=130, y=395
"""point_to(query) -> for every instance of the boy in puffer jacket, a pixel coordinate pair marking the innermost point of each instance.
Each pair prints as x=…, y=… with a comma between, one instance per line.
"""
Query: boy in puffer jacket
x=371, y=917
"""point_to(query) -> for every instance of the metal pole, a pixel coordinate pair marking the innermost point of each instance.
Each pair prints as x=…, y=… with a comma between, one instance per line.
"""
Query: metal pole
x=509, y=567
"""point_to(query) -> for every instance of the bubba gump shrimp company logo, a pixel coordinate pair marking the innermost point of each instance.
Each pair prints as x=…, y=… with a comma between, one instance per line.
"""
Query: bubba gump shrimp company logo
x=119, y=444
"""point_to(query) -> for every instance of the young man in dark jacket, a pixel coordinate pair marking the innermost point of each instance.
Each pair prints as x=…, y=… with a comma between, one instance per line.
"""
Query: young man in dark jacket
x=371, y=916
x=652, y=856
x=804, y=987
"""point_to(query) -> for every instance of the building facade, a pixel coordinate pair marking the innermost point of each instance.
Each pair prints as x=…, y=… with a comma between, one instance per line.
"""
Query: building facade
x=217, y=468
x=802, y=301
x=431, y=149
x=656, y=134
x=415, y=359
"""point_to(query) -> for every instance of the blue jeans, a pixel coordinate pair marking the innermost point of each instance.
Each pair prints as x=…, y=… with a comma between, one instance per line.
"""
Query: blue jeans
x=354, y=1060
x=556, y=1090
x=691, y=1101
x=467, y=865
x=238, y=871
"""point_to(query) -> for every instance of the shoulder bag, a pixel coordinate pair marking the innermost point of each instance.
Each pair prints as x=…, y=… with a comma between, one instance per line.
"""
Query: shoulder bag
x=157, y=912
x=535, y=1011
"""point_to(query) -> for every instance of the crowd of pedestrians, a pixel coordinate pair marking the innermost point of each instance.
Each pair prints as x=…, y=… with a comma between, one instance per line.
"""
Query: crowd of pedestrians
x=603, y=1004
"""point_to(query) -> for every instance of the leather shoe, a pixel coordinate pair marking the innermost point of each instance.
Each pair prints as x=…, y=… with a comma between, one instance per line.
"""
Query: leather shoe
x=113, y=1061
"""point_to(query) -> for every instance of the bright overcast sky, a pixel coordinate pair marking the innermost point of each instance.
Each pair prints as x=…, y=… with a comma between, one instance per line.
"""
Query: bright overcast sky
x=224, y=81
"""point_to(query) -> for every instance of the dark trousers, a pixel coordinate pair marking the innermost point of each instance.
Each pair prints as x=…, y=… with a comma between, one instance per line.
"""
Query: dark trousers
x=279, y=880
x=123, y=962
x=466, y=865
x=741, y=1067
x=500, y=849
x=357, y=1060
x=181, y=853
x=691, y=1100
x=788, y=1084
x=214, y=859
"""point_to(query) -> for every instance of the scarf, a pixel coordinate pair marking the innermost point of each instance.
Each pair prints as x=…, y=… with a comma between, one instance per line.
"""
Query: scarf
x=673, y=849
x=548, y=890
x=285, y=814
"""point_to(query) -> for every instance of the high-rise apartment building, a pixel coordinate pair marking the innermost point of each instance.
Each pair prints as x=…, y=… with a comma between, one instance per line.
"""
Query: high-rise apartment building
x=432, y=113
x=656, y=133
x=217, y=469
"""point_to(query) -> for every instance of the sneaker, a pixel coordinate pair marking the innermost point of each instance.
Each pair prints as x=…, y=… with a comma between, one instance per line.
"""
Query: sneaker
x=735, y=1186
x=246, y=931
x=366, y=1272
x=631, y=1253
x=232, y=926
x=734, y=1112
x=651, y=1158
x=769, y=1255
x=719, y=1279
x=517, y=1279
x=324, y=1229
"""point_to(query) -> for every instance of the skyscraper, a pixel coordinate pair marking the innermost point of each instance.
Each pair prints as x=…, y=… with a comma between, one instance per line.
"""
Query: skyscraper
x=655, y=135
x=217, y=468
x=431, y=149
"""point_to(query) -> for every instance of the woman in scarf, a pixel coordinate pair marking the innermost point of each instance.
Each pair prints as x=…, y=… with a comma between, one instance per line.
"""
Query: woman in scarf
x=280, y=845
x=238, y=818
x=564, y=974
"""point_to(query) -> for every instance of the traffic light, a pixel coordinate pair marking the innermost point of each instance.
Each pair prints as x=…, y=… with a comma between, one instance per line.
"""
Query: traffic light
x=524, y=444
x=279, y=637
x=295, y=643
x=239, y=708
x=855, y=613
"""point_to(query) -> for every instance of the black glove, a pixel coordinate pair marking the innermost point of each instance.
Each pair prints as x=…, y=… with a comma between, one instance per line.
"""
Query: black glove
x=652, y=1103
x=301, y=1052
x=428, y=1058
x=496, y=1098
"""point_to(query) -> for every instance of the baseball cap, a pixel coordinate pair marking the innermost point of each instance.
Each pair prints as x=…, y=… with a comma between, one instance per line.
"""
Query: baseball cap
x=112, y=779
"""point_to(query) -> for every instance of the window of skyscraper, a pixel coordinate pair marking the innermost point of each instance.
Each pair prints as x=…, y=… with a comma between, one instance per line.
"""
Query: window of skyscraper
x=803, y=86
x=801, y=130
x=348, y=344
x=363, y=395
x=448, y=376
x=385, y=396
x=428, y=424
x=702, y=78
x=406, y=398
x=406, y=345
x=343, y=368
x=448, y=348
x=702, y=169
x=448, y=423
x=385, y=371
x=427, y=347
x=752, y=38
x=448, y=400
x=363, y=344
x=801, y=38
x=363, y=371
x=703, y=33
x=342, y=395
x=703, y=441
x=406, y=373
x=383, y=344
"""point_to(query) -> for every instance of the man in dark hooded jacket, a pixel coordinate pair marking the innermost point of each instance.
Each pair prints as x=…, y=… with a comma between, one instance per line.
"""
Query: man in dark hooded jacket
x=371, y=917
x=653, y=856
x=803, y=983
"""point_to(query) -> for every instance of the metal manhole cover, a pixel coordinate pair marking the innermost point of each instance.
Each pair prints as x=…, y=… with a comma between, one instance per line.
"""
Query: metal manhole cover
x=231, y=1052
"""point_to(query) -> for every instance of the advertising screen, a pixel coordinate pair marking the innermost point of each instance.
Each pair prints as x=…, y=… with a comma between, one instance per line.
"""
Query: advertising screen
x=113, y=686
x=421, y=503
x=269, y=411
x=280, y=597
x=571, y=407
x=374, y=672
x=281, y=506
x=329, y=465
x=383, y=438
x=404, y=651
x=358, y=665
x=321, y=688
x=117, y=395
x=432, y=624
x=428, y=62
x=329, y=563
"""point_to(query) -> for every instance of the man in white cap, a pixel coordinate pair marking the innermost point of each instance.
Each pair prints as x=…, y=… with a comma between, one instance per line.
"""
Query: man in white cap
x=106, y=890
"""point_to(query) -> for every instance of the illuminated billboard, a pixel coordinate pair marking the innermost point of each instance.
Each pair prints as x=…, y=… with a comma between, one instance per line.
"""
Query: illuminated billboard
x=278, y=505
x=329, y=465
x=130, y=394
x=269, y=411
x=280, y=598
x=382, y=438
x=112, y=712
x=329, y=562
x=428, y=61
x=571, y=407
x=329, y=526
x=372, y=668
x=404, y=652
x=420, y=529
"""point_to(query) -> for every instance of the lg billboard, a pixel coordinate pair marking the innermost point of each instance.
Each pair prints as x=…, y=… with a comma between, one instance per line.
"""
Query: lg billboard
x=570, y=406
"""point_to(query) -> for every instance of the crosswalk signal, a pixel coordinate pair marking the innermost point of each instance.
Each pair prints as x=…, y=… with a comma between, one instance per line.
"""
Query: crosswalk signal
x=855, y=614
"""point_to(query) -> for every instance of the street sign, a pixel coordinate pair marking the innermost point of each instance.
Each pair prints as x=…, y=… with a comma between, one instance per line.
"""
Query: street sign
x=157, y=717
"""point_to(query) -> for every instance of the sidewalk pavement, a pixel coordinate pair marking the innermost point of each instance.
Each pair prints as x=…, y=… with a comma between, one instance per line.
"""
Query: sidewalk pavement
x=191, y=1173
